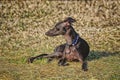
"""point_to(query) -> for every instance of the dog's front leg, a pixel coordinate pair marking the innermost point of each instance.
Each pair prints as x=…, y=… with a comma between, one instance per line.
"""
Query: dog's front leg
x=63, y=60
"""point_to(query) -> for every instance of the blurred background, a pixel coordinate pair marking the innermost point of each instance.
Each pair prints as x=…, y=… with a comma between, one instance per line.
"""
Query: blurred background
x=23, y=24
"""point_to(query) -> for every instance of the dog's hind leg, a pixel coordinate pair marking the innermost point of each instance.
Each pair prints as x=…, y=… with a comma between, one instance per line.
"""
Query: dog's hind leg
x=49, y=56
x=84, y=66
x=84, y=63
x=58, y=52
x=31, y=59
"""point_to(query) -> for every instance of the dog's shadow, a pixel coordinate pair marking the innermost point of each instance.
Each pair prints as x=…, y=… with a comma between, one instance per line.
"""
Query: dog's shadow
x=99, y=54
x=93, y=55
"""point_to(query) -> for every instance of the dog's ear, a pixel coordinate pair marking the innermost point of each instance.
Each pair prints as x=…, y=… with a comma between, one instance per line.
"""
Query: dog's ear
x=67, y=24
x=70, y=20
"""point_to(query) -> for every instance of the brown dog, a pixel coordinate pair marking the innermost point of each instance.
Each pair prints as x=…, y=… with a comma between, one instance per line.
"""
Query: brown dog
x=74, y=49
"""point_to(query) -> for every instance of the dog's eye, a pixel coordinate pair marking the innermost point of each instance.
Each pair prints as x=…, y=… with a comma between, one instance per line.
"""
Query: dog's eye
x=57, y=29
x=64, y=29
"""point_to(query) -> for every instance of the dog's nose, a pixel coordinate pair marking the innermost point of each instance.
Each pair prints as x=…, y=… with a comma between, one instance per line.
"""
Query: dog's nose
x=47, y=33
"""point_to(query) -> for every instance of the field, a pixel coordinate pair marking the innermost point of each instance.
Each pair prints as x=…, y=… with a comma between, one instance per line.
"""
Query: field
x=23, y=24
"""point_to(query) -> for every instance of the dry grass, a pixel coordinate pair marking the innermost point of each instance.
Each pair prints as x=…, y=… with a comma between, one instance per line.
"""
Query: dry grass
x=22, y=28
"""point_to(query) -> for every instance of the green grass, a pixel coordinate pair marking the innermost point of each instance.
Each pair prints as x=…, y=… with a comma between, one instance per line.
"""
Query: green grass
x=22, y=28
x=102, y=68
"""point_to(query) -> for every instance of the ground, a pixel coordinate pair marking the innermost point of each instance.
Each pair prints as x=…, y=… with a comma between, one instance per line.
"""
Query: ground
x=103, y=67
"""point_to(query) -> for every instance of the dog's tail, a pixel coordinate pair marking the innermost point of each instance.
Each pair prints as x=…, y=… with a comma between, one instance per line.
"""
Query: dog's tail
x=84, y=66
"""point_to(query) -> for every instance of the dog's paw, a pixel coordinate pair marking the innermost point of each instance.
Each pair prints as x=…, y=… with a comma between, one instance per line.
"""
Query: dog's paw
x=84, y=66
x=85, y=69
x=65, y=64
x=49, y=60
x=30, y=60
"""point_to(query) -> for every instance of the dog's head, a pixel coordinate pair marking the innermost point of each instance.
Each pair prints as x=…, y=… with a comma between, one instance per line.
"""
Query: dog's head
x=61, y=27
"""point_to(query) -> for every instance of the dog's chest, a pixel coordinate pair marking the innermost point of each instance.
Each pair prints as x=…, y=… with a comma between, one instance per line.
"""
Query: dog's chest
x=71, y=54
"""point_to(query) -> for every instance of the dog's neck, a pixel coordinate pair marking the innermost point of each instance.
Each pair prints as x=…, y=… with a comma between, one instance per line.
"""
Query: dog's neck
x=70, y=36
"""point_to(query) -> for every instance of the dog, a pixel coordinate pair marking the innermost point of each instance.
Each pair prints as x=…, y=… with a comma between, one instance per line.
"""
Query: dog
x=75, y=48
